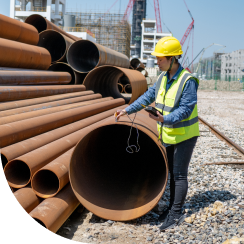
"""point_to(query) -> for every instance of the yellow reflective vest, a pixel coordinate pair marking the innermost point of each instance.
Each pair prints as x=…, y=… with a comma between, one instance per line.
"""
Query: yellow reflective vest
x=166, y=103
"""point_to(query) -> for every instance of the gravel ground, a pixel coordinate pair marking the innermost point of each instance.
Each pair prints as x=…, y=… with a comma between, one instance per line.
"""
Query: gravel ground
x=214, y=206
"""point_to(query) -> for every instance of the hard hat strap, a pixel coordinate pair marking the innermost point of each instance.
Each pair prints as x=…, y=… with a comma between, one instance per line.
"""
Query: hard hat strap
x=173, y=60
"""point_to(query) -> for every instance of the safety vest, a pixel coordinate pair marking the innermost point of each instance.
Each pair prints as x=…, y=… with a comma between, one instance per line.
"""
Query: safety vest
x=166, y=103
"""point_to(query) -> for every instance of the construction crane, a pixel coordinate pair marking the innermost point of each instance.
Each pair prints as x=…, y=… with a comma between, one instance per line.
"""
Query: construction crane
x=157, y=16
x=128, y=10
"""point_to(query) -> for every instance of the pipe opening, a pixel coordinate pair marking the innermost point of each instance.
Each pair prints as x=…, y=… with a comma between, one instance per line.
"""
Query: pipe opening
x=120, y=87
x=54, y=43
x=45, y=182
x=135, y=62
x=37, y=21
x=17, y=173
x=83, y=56
x=39, y=224
x=63, y=67
x=128, y=89
x=103, y=173
x=4, y=160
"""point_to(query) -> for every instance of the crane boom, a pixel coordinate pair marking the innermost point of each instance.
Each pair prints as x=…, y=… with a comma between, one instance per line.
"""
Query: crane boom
x=157, y=16
x=128, y=10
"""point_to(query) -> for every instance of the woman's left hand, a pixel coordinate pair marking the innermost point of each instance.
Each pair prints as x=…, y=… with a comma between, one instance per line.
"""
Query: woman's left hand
x=159, y=118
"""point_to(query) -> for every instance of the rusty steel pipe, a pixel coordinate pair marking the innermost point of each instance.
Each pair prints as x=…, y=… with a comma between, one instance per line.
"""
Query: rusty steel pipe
x=13, y=78
x=16, y=30
x=143, y=71
x=12, y=93
x=48, y=105
x=63, y=67
x=29, y=102
x=120, y=87
x=20, y=171
x=105, y=80
x=27, y=198
x=127, y=89
x=43, y=24
x=21, y=55
x=84, y=55
x=53, y=212
x=136, y=63
x=50, y=179
x=13, y=151
x=124, y=186
x=56, y=43
x=22, y=130
x=93, y=99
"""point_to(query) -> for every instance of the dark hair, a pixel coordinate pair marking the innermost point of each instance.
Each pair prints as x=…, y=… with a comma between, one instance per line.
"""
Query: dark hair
x=176, y=60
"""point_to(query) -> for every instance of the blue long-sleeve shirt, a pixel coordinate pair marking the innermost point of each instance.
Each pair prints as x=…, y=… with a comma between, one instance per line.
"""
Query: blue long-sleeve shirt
x=186, y=105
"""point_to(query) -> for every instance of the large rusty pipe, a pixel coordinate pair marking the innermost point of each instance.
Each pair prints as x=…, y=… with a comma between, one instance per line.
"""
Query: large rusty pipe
x=13, y=78
x=127, y=89
x=43, y=24
x=53, y=212
x=63, y=67
x=20, y=171
x=136, y=63
x=125, y=185
x=22, y=130
x=48, y=105
x=105, y=80
x=27, y=198
x=16, y=30
x=21, y=55
x=12, y=93
x=95, y=98
x=50, y=179
x=120, y=87
x=84, y=55
x=143, y=71
x=56, y=43
x=13, y=151
x=28, y=102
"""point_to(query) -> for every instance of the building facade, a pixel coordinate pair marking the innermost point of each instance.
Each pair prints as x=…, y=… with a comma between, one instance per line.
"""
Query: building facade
x=22, y=9
x=232, y=65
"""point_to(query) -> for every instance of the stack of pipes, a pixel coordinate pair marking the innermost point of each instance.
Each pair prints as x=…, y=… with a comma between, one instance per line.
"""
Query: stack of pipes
x=44, y=114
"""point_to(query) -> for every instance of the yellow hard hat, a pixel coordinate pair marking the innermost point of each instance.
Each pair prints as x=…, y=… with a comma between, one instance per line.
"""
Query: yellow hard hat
x=167, y=46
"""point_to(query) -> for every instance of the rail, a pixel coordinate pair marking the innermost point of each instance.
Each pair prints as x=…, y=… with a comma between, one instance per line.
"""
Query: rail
x=34, y=9
x=77, y=29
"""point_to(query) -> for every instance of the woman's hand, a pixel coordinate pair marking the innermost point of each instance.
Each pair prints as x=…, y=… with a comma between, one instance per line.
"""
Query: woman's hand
x=159, y=118
x=119, y=113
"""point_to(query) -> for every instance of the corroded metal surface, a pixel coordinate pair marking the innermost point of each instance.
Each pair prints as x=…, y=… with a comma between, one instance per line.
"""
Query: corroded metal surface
x=84, y=55
x=12, y=93
x=105, y=80
x=21, y=55
x=13, y=78
x=125, y=185
x=136, y=63
x=16, y=30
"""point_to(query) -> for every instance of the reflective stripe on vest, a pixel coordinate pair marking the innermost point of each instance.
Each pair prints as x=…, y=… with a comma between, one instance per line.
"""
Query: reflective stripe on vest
x=185, y=129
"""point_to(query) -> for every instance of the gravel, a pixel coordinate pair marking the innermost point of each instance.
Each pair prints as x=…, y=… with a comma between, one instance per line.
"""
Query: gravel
x=214, y=206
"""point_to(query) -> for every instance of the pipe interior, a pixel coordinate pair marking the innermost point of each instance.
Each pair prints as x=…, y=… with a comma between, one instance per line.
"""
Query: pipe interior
x=62, y=67
x=122, y=180
x=135, y=62
x=37, y=21
x=17, y=172
x=45, y=182
x=120, y=87
x=83, y=56
x=128, y=89
x=105, y=81
x=4, y=160
x=40, y=222
x=54, y=43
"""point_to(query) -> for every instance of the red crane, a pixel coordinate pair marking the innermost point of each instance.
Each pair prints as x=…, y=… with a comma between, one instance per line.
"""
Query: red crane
x=157, y=16
x=128, y=10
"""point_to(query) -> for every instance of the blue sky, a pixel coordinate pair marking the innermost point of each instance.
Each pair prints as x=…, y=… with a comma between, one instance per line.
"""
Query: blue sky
x=216, y=21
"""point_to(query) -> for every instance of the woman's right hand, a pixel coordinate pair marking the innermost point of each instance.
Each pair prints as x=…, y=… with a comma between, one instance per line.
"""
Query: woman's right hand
x=119, y=113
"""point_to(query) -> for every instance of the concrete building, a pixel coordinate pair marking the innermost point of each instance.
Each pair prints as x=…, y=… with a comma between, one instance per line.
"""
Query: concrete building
x=149, y=39
x=23, y=8
x=232, y=65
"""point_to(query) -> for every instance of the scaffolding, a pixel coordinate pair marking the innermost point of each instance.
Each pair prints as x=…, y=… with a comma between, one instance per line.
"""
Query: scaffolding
x=109, y=29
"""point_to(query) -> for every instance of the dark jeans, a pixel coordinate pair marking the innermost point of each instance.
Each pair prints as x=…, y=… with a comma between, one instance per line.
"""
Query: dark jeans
x=179, y=157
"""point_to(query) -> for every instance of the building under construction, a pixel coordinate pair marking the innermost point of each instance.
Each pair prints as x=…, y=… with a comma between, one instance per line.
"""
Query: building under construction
x=109, y=29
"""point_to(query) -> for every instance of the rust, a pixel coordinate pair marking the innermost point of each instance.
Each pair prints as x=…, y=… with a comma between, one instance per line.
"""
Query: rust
x=120, y=87
x=13, y=78
x=21, y=55
x=105, y=80
x=53, y=212
x=16, y=30
x=84, y=55
x=122, y=187
x=84, y=101
x=27, y=198
x=127, y=89
x=12, y=93
x=56, y=43
x=13, y=151
x=43, y=24
x=136, y=63
x=143, y=71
